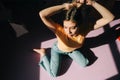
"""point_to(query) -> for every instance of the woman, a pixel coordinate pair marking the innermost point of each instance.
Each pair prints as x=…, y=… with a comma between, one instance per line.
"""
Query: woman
x=71, y=36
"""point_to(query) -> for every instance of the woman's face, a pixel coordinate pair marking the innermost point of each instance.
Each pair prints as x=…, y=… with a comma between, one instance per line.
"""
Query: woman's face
x=70, y=28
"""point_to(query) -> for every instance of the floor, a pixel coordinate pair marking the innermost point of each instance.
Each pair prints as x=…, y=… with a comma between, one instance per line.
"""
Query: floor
x=105, y=67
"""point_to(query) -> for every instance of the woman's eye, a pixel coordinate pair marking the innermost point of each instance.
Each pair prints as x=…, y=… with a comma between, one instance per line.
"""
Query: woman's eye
x=73, y=27
x=65, y=27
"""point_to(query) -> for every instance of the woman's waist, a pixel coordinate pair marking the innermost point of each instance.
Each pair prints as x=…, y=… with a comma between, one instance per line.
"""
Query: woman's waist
x=66, y=48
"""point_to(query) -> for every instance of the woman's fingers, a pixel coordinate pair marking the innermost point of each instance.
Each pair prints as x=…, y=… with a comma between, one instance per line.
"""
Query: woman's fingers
x=81, y=1
x=88, y=2
x=68, y=6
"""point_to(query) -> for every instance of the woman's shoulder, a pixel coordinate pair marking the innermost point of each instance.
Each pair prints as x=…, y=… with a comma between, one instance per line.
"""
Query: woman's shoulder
x=59, y=27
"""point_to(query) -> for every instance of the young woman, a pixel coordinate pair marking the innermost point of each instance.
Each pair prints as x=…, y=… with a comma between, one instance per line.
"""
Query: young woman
x=70, y=36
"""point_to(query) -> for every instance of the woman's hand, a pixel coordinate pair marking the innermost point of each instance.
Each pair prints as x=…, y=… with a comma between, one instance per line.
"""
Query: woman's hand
x=80, y=1
x=76, y=4
x=87, y=2
x=68, y=6
x=73, y=4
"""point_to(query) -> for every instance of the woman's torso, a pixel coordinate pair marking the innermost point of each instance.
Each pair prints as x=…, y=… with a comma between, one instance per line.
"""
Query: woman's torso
x=68, y=44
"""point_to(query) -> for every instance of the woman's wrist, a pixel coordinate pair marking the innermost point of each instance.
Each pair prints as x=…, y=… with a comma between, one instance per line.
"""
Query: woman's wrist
x=67, y=6
x=77, y=5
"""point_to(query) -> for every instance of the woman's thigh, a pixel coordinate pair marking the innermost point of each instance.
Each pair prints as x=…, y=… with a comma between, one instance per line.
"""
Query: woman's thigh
x=78, y=57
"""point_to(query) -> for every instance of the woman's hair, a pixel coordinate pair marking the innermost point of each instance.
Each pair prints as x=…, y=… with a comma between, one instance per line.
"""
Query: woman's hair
x=74, y=15
x=78, y=15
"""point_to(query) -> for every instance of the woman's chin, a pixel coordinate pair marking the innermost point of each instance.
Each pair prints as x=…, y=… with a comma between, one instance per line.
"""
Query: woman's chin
x=70, y=35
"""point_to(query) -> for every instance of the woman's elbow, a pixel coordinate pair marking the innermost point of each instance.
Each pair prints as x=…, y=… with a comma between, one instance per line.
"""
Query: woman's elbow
x=40, y=14
x=111, y=18
x=43, y=15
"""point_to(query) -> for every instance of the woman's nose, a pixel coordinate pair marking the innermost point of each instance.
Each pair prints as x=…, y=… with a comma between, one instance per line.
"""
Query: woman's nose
x=69, y=31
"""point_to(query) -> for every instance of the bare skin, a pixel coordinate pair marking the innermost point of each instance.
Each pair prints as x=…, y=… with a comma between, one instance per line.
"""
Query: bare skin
x=40, y=51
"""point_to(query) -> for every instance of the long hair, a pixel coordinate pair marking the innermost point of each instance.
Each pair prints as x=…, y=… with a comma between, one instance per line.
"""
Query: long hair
x=78, y=15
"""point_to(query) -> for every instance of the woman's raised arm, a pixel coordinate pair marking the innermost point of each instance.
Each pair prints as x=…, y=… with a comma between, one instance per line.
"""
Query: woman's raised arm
x=46, y=13
x=107, y=16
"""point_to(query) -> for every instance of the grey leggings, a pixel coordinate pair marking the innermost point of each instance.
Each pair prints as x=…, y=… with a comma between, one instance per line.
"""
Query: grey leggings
x=51, y=65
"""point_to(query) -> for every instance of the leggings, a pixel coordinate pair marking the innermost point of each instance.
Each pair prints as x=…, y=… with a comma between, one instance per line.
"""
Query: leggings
x=52, y=65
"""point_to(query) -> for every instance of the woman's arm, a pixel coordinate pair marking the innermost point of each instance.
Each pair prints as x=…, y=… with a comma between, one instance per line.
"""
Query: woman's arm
x=46, y=13
x=107, y=16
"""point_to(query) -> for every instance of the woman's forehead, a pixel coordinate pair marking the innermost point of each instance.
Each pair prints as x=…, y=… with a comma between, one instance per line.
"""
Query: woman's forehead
x=69, y=22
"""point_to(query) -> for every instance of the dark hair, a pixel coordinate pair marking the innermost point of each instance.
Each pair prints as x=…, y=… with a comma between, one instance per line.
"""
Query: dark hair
x=79, y=15
x=73, y=15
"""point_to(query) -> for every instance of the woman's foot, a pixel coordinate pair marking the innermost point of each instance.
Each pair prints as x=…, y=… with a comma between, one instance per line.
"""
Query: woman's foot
x=40, y=51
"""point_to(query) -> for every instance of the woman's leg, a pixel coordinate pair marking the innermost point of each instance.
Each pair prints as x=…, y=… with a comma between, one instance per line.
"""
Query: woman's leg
x=55, y=62
x=51, y=65
x=78, y=57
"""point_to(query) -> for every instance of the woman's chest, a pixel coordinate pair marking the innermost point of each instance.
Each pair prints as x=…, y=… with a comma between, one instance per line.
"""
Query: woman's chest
x=74, y=42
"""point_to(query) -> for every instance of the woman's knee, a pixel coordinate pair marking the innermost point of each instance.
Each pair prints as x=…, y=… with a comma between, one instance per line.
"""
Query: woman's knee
x=85, y=64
